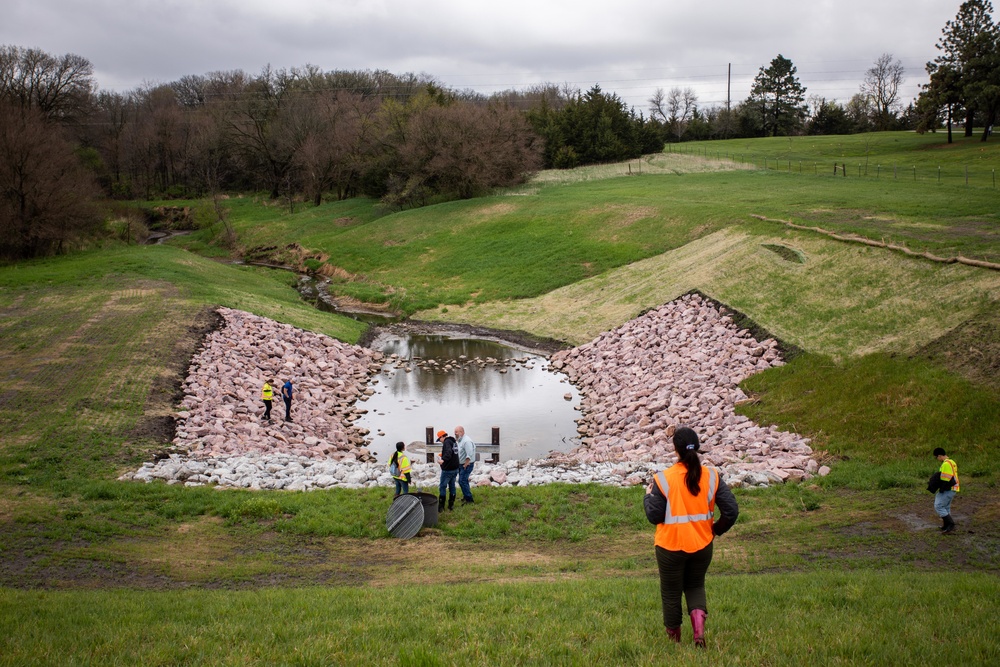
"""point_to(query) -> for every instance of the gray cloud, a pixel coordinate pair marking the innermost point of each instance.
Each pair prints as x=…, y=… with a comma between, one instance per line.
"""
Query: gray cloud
x=630, y=47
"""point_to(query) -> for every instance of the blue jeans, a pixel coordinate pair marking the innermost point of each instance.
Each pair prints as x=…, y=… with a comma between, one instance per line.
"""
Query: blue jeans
x=447, y=481
x=463, y=480
x=942, y=502
x=401, y=484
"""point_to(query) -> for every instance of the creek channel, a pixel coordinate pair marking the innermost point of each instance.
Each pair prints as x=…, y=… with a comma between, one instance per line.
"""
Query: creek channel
x=442, y=376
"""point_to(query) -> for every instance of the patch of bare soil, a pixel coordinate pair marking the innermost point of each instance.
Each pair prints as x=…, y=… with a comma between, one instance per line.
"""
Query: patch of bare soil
x=972, y=349
x=158, y=424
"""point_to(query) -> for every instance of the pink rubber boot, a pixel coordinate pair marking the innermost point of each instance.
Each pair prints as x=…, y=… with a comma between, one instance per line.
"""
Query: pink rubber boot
x=674, y=634
x=698, y=625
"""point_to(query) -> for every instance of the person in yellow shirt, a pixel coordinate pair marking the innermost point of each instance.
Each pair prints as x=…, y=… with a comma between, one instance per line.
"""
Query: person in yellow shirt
x=267, y=395
x=399, y=468
x=947, y=488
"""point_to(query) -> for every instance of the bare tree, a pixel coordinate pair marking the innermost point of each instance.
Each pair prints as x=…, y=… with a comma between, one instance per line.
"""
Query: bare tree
x=881, y=86
x=46, y=195
x=58, y=87
x=464, y=150
x=675, y=109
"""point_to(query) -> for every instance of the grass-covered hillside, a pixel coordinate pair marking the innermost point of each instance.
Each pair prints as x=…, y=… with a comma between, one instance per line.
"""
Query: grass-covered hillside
x=898, y=355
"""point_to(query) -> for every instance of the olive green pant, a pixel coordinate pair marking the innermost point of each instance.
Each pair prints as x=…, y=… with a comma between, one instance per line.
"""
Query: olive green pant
x=682, y=573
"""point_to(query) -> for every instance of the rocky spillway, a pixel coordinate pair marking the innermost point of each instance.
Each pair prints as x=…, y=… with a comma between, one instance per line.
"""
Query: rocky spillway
x=677, y=364
x=222, y=409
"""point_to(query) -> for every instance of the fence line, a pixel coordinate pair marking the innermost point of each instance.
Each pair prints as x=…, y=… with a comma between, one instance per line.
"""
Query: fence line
x=876, y=171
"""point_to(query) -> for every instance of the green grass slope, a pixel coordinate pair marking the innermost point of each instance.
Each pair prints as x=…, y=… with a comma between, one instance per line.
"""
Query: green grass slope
x=847, y=569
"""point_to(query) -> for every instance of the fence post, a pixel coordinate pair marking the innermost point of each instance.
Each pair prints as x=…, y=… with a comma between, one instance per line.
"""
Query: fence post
x=495, y=440
x=939, y=174
x=429, y=440
x=914, y=172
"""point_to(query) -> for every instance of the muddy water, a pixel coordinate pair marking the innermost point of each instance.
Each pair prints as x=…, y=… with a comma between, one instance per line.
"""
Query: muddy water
x=490, y=384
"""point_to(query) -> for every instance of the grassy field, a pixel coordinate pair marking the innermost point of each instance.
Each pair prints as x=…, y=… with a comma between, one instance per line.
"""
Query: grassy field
x=531, y=241
x=889, y=157
x=899, y=355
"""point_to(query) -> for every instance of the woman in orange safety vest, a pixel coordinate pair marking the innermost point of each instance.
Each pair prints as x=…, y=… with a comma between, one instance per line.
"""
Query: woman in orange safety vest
x=681, y=502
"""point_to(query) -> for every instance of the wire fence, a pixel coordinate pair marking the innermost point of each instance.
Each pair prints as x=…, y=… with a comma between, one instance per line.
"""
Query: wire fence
x=961, y=175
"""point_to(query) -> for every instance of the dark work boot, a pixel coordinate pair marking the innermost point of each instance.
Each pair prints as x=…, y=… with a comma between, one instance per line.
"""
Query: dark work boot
x=949, y=525
x=440, y=503
x=451, y=503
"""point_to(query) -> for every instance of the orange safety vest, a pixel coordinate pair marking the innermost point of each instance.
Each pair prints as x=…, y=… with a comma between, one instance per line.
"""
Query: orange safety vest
x=687, y=524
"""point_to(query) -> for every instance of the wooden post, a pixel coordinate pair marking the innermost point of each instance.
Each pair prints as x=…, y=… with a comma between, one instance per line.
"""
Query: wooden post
x=495, y=440
x=429, y=440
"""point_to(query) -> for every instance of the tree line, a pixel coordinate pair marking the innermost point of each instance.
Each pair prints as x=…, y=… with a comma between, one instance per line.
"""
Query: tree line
x=304, y=134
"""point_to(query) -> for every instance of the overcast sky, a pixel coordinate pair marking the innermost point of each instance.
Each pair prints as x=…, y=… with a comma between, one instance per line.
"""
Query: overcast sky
x=629, y=47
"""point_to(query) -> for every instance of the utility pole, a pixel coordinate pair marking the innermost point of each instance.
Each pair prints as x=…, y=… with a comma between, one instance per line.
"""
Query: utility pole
x=729, y=86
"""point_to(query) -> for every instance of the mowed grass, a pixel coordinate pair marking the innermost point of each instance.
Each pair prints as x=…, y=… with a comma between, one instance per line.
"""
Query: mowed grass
x=555, y=233
x=841, y=300
x=776, y=619
x=890, y=157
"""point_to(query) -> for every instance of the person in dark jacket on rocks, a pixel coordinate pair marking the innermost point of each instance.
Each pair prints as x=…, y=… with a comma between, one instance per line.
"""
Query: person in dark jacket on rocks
x=681, y=502
x=286, y=396
x=448, y=460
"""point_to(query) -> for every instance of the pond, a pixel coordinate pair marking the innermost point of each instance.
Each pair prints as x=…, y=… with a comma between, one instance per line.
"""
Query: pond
x=449, y=378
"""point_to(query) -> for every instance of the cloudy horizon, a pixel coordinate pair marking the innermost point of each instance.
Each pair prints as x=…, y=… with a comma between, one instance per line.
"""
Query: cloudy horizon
x=631, y=50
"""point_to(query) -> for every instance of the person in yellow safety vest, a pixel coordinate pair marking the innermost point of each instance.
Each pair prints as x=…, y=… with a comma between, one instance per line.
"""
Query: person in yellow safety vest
x=399, y=468
x=946, y=490
x=681, y=502
x=267, y=395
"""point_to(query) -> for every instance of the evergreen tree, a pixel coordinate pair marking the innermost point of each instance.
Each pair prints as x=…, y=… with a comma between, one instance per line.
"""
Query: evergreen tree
x=968, y=47
x=778, y=97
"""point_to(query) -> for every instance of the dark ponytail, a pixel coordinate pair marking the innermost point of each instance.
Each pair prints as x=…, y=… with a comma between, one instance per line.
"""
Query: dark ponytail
x=686, y=445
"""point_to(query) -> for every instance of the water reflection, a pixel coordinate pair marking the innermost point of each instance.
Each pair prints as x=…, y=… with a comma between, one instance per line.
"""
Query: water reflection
x=442, y=381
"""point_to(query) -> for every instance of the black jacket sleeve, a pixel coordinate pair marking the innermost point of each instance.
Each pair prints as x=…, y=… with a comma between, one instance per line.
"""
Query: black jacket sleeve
x=726, y=502
x=655, y=505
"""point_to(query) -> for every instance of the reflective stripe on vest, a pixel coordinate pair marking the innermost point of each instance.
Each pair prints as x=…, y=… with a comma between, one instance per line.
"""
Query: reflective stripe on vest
x=948, y=474
x=680, y=530
x=670, y=518
x=266, y=393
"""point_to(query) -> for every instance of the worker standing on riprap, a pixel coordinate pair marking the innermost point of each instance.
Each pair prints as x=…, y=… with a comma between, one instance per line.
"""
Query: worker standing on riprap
x=267, y=395
x=681, y=502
